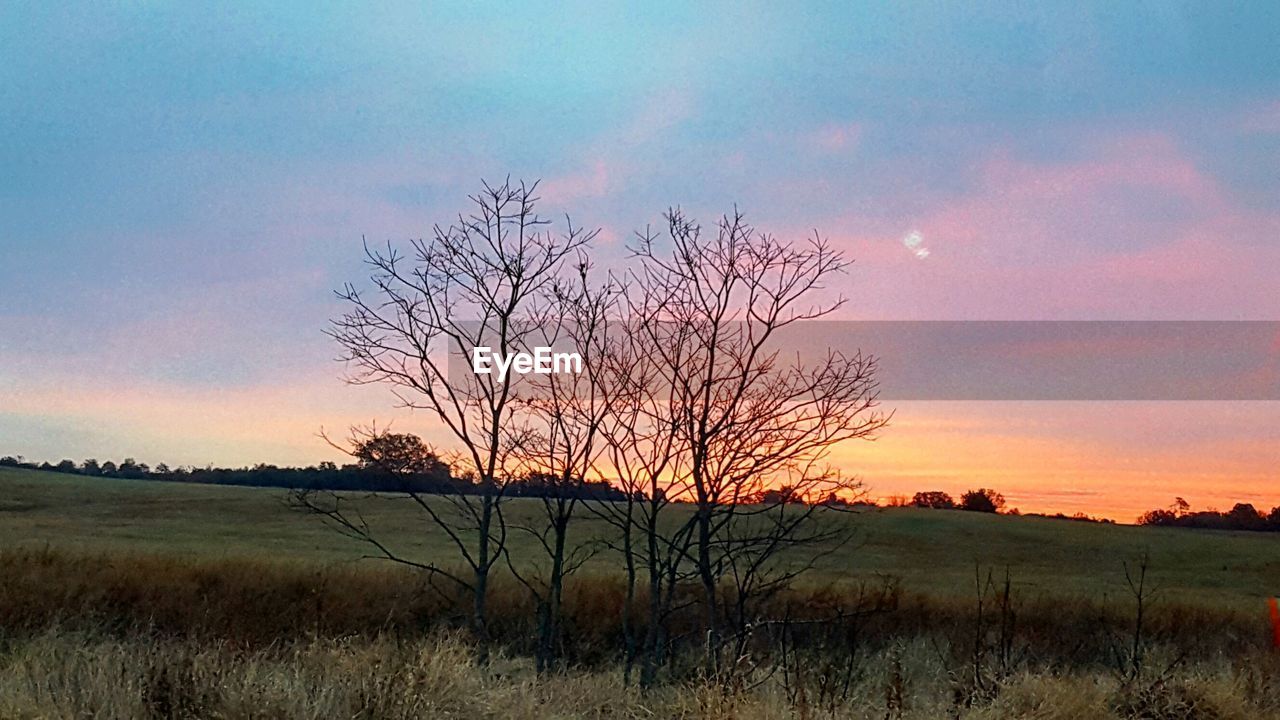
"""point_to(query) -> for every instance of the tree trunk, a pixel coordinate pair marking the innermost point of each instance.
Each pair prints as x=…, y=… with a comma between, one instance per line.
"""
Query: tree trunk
x=549, y=627
x=479, y=616
x=628, y=602
x=707, y=574
x=652, y=638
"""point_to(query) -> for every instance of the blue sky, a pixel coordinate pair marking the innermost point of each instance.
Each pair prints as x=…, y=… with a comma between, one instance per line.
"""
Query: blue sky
x=184, y=184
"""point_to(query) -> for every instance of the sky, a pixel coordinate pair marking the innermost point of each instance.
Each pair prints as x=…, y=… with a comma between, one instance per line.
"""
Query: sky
x=183, y=187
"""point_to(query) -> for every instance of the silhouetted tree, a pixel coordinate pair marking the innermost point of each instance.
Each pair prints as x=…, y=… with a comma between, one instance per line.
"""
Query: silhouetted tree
x=404, y=458
x=982, y=500
x=1246, y=517
x=556, y=443
x=484, y=281
x=1243, y=516
x=1158, y=517
x=130, y=469
x=778, y=495
x=745, y=418
x=933, y=499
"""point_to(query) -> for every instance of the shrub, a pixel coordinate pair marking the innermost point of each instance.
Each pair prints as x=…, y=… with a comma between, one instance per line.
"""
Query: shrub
x=933, y=499
x=982, y=500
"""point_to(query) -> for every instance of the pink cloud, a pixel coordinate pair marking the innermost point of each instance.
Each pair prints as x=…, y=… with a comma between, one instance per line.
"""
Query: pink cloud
x=591, y=181
x=1134, y=230
x=621, y=155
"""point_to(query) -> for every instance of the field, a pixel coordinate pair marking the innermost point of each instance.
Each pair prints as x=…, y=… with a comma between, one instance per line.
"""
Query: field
x=931, y=551
x=141, y=599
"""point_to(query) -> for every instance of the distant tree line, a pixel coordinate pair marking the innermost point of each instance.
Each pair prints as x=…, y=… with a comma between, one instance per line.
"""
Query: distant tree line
x=1242, y=516
x=402, y=463
x=983, y=500
x=980, y=500
x=417, y=471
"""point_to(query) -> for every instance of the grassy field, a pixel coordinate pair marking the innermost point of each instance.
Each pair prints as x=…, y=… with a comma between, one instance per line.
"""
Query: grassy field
x=931, y=551
x=131, y=599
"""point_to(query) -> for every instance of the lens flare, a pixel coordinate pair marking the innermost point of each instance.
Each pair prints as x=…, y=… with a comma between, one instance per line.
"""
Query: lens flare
x=914, y=242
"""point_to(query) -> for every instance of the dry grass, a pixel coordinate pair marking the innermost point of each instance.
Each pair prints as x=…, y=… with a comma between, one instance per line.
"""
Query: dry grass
x=158, y=601
x=61, y=674
x=253, y=603
x=122, y=636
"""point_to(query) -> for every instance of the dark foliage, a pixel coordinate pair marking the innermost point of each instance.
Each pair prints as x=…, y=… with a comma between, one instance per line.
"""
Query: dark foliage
x=982, y=500
x=1077, y=517
x=417, y=471
x=1243, y=516
x=933, y=499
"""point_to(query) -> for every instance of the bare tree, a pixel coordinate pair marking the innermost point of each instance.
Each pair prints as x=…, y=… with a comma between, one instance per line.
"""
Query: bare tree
x=744, y=418
x=686, y=397
x=1130, y=661
x=643, y=456
x=557, y=445
x=484, y=281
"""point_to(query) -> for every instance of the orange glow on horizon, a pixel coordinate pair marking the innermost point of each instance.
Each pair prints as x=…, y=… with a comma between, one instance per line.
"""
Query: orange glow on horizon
x=1113, y=460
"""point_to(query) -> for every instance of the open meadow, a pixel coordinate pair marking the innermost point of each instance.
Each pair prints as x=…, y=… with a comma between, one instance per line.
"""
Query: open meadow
x=147, y=599
x=930, y=551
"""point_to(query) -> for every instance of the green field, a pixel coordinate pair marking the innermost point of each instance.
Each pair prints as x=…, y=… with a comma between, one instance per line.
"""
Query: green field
x=931, y=551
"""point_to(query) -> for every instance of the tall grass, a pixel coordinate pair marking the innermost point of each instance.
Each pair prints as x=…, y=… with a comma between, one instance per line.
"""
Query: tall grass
x=64, y=674
x=121, y=636
x=254, y=602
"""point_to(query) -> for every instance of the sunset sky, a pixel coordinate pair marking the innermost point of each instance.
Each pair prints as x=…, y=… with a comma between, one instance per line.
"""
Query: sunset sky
x=182, y=189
